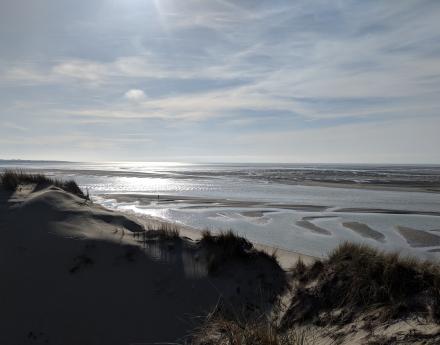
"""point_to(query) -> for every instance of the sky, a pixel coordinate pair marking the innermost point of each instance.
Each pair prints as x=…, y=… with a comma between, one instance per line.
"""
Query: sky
x=339, y=81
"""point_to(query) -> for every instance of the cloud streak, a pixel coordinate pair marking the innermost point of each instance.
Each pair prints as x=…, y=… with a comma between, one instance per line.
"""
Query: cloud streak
x=248, y=63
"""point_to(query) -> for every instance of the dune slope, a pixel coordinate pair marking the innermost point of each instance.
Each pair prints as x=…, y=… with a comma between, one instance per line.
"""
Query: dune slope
x=76, y=273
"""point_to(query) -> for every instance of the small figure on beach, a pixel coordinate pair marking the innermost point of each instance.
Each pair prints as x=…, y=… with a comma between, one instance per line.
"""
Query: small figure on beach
x=157, y=196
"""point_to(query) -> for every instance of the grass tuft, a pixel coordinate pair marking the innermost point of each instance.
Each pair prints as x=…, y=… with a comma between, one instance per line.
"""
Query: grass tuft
x=11, y=179
x=168, y=230
x=226, y=246
x=220, y=331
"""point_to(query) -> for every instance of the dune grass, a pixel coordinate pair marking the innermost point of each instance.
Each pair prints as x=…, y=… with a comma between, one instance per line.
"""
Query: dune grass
x=162, y=231
x=220, y=331
x=224, y=247
x=228, y=246
x=11, y=179
x=356, y=279
x=227, y=243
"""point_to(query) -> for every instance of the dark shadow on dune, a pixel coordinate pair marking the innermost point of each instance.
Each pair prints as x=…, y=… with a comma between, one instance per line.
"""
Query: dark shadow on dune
x=153, y=290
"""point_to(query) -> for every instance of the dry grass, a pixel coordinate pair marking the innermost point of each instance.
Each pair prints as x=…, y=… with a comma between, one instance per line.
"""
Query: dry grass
x=168, y=230
x=219, y=331
x=11, y=179
x=356, y=279
x=164, y=231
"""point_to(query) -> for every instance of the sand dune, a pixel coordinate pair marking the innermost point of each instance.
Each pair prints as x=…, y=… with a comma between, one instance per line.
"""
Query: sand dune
x=77, y=273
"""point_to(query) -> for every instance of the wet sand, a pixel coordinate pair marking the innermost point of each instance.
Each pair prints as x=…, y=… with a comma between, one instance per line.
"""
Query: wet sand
x=312, y=227
x=396, y=187
x=199, y=203
x=385, y=211
x=263, y=212
x=255, y=214
x=418, y=238
x=365, y=231
x=318, y=217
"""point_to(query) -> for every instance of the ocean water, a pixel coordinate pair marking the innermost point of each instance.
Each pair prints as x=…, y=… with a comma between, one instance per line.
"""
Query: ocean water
x=304, y=208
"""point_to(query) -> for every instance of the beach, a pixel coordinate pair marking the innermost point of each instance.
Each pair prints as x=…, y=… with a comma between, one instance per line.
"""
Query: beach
x=77, y=272
x=309, y=209
x=186, y=172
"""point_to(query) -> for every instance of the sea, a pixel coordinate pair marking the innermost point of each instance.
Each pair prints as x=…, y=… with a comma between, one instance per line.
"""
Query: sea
x=306, y=208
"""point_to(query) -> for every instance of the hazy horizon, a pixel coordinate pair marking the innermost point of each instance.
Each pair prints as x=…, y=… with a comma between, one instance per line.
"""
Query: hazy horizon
x=237, y=163
x=220, y=81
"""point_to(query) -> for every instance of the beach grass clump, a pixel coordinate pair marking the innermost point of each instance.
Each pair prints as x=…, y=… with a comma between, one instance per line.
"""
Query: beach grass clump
x=227, y=246
x=221, y=331
x=224, y=247
x=356, y=279
x=164, y=231
x=11, y=179
x=229, y=242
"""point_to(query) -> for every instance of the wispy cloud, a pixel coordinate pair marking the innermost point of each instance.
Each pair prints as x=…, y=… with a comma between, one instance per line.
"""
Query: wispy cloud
x=227, y=61
x=135, y=95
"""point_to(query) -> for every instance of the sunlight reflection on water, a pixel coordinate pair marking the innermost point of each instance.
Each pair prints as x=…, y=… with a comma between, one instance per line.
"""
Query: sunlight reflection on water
x=206, y=190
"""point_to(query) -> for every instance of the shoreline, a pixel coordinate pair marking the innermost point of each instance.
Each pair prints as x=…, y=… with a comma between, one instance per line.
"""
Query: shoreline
x=120, y=276
x=347, y=226
x=286, y=258
x=196, y=202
